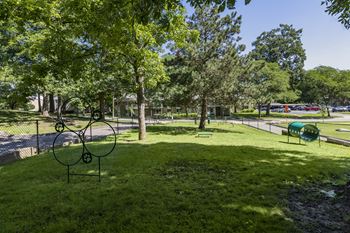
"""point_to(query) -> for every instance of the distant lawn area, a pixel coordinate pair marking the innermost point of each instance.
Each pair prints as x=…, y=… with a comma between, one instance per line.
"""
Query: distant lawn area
x=45, y=126
x=23, y=122
x=329, y=129
x=15, y=115
x=274, y=115
x=238, y=180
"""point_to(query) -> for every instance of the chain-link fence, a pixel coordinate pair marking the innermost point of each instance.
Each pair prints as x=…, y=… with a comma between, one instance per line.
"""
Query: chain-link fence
x=21, y=139
x=18, y=139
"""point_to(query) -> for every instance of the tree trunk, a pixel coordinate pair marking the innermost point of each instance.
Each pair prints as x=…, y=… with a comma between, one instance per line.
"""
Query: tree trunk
x=52, y=103
x=45, y=108
x=12, y=105
x=268, y=108
x=235, y=108
x=59, y=103
x=102, y=102
x=186, y=111
x=141, y=108
x=259, y=109
x=204, y=106
x=328, y=112
x=39, y=103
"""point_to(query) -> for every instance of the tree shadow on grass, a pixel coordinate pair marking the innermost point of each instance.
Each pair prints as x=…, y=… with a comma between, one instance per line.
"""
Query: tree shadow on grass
x=163, y=187
x=294, y=143
x=182, y=130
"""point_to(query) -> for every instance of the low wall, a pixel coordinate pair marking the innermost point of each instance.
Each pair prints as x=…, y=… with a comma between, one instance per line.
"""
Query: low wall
x=17, y=155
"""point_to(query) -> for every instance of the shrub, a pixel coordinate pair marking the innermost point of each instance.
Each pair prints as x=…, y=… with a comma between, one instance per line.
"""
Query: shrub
x=175, y=115
x=248, y=110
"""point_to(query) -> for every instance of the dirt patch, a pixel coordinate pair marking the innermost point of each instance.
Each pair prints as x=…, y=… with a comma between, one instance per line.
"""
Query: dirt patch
x=321, y=208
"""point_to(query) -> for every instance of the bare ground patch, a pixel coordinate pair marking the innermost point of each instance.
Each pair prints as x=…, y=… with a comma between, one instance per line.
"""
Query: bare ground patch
x=320, y=208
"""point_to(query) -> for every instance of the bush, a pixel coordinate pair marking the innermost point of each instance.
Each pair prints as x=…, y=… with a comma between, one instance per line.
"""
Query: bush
x=29, y=106
x=176, y=115
x=248, y=110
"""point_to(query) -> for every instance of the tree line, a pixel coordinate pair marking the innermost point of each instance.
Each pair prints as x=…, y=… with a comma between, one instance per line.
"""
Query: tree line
x=102, y=49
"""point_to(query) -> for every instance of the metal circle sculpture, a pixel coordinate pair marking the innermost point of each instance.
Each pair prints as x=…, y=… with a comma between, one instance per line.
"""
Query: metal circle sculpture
x=68, y=134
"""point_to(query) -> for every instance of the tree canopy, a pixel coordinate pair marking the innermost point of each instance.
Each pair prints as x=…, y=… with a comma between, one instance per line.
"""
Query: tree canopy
x=100, y=49
x=283, y=46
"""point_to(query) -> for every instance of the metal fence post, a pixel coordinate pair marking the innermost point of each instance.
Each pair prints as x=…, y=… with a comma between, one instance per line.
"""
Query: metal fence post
x=37, y=137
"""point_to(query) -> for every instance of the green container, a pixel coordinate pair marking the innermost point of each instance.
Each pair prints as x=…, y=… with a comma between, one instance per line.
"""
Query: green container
x=295, y=128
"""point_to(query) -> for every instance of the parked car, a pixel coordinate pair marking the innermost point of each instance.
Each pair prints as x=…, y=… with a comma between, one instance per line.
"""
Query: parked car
x=312, y=108
x=340, y=109
x=293, y=107
x=282, y=109
x=301, y=108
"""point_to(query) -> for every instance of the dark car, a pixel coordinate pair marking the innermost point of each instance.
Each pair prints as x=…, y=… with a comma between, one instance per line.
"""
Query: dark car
x=293, y=107
x=340, y=109
x=300, y=108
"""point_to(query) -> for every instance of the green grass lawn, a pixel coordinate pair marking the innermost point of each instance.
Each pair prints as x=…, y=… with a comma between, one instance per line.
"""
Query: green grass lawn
x=45, y=126
x=277, y=115
x=15, y=115
x=329, y=129
x=236, y=181
x=24, y=122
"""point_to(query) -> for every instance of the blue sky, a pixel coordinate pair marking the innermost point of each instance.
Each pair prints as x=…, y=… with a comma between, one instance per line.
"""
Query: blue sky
x=325, y=40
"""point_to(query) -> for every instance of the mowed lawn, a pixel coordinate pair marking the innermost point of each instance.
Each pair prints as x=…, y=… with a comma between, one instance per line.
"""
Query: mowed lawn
x=236, y=181
x=24, y=122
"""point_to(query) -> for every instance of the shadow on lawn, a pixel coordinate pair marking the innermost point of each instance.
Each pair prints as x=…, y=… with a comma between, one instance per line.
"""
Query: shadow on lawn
x=164, y=187
x=181, y=130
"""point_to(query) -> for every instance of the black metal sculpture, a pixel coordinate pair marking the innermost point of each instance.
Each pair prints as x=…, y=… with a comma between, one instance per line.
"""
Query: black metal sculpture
x=87, y=154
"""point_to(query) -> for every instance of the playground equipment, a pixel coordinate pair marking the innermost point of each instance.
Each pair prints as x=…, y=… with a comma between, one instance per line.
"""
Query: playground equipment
x=305, y=132
x=83, y=136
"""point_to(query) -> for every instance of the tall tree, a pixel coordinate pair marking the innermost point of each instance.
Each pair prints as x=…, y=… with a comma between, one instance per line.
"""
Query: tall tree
x=179, y=90
x=218, y=37
x=325, y=85
x=283, y=46
x=270, y=83
x=138, y=34
x=237, y=86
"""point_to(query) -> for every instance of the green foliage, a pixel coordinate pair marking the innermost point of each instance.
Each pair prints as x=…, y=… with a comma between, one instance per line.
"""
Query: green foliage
x=326, y=85
x=204, y=64
x=248, y=110
x=14, y=93
x=282, y=46
x=269, y=84
x=339, y=8
x=177, y=115
x=223, y=4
